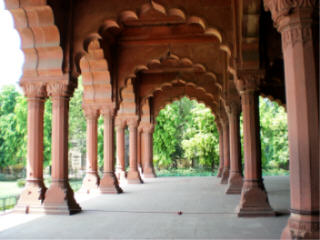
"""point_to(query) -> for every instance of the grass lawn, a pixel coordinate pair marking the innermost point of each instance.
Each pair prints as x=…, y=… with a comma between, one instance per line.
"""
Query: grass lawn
x=180, y=172
x=9, y=188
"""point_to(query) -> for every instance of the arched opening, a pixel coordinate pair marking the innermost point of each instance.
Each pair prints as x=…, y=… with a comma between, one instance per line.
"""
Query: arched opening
x=186, y=138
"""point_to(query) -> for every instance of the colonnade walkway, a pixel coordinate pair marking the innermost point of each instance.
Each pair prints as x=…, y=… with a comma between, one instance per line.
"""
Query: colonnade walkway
x=150, y=211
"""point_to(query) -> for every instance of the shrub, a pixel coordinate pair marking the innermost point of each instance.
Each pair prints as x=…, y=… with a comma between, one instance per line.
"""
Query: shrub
x=21, y=182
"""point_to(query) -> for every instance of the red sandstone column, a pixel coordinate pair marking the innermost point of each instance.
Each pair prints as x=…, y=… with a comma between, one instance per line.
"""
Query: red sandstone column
x=226, y=152
x=254, y=199
x=33, y=194
x=59, y=197
x=147, y=151
x=221, y=163
x=109, y=182
x=235, y=178
x=133, y=176
x=300, y=45
x=91, y=181
x=139, y=154
x=121, y=168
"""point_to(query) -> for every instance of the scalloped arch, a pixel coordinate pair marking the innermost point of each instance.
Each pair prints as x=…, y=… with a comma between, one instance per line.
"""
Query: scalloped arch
x=40, y=38
x=272, y=99
x=173, y=61
x=200, y=97
x=153, y=11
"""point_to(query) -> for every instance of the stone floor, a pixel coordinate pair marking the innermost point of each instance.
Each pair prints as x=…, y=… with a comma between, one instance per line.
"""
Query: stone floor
x=149, y=211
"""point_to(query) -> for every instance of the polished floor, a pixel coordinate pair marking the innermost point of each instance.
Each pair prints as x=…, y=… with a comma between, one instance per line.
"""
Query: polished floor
x=161, y=208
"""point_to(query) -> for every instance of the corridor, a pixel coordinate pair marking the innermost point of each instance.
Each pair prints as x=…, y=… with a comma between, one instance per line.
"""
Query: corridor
x=150, y=211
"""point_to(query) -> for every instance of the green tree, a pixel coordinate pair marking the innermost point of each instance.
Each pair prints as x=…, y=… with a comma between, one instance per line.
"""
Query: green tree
x=274, y=135
x=77, y=121
x=12, y=134
x=185, y=131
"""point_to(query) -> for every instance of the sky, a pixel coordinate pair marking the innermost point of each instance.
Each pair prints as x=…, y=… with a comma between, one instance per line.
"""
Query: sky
x=11, y=56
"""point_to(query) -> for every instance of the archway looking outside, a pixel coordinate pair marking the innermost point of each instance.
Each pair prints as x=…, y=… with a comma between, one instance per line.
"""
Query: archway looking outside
x=185, y=140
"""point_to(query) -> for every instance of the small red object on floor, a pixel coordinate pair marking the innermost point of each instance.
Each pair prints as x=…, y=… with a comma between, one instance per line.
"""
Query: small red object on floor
x=179, y=213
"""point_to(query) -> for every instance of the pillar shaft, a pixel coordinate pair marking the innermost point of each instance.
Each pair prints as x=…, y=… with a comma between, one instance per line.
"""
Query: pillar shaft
x=139, y=153
x=59, y=197
x=235, y=178
x=121, y=168
x=91, y=181
x=147, y=151
x=32, y=196
x=109, y=182
x=221, y=163
x=251, y=132
x=133, y=173
x=295, y=20
x=226, y=152
x=254, y=199
x=92, y=143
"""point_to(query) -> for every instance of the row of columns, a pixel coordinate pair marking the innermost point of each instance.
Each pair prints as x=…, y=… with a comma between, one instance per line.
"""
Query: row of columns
x=92, y=182
x=297, y=21
x=254, y=200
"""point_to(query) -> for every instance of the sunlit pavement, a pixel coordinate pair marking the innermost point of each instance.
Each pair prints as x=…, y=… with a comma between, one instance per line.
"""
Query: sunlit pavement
x=162, y=208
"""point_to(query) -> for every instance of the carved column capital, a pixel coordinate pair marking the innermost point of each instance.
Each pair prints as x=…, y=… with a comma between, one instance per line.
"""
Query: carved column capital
x=120, y=123
x=107, y=111
x=34, y=90
x=59, y=90
x=146, y=127
x=249, y=80
x=286, y=12
x=233, y=108
x=132, y=123
x=90, y=112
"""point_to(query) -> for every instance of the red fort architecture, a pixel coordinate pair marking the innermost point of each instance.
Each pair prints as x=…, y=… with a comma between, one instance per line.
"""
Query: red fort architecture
x=136, y=56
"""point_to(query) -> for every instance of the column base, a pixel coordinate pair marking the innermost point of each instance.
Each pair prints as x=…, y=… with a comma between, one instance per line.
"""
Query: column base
x=59, y=199
x=109, y=184
x=149, y=173
x=302, y=227
x=225, y=176
x=220, y=172
x=254, y=200
x=90, y=183
x=235, y=183
x=31, y=198
x=133, y=177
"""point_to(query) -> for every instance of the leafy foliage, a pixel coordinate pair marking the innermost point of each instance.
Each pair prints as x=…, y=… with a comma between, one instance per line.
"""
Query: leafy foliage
x=77, y=121
x=274, y=135
x=185, y=135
